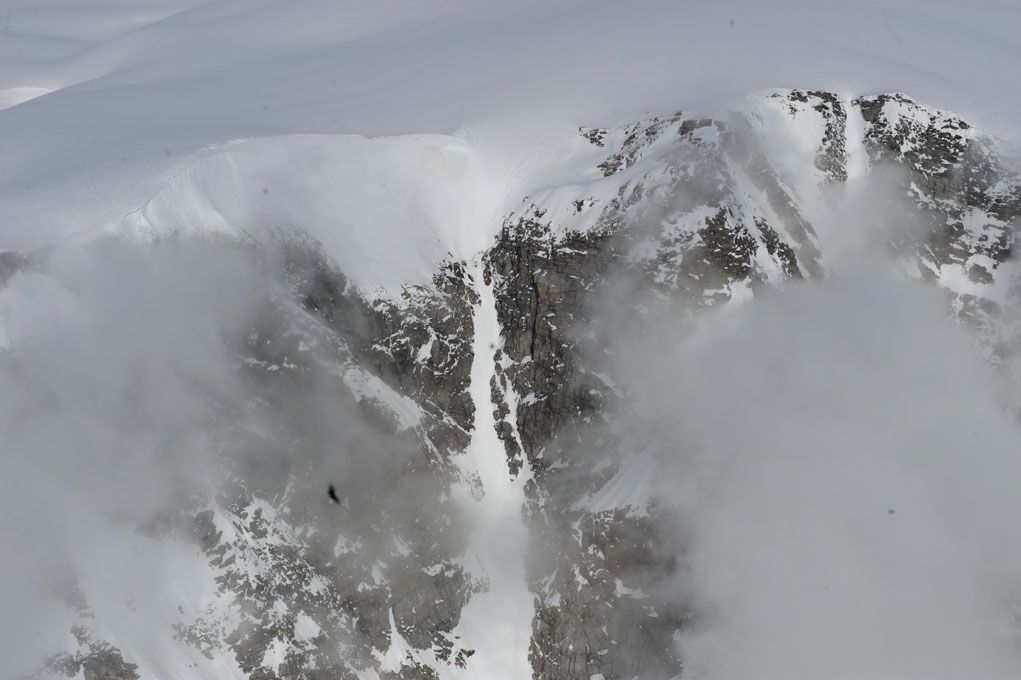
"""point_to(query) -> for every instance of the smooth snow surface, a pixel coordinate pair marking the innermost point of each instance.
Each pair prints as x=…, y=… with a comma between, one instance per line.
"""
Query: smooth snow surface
x=13, y=96
x=114, y=94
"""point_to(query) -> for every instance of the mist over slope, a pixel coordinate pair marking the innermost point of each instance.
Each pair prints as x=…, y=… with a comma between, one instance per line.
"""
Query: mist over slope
x=529, y=382
x=843, y=468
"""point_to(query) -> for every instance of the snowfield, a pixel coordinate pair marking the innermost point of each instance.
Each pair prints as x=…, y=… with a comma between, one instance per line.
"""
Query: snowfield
x=106, y=101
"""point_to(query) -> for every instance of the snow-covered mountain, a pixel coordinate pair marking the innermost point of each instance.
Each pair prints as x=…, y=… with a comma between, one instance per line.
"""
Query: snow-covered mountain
x=554, y=402
x=497, y=512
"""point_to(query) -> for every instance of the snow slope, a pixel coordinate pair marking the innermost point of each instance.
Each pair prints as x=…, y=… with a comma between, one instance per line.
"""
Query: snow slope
x=103, y=99
x=387, y=210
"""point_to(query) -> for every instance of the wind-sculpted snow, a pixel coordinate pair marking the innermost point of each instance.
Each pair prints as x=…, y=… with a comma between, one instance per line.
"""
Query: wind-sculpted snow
x=357, y=197
x=336, y=407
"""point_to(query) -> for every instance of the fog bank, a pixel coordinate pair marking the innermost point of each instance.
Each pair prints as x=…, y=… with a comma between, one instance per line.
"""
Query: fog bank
x=848, y=478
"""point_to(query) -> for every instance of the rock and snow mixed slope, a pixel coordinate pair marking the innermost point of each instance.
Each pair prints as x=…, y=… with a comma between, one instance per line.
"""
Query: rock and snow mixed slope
x=445, y=361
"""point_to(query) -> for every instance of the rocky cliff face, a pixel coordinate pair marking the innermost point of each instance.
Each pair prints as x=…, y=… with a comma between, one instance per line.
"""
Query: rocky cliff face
x=371, y=397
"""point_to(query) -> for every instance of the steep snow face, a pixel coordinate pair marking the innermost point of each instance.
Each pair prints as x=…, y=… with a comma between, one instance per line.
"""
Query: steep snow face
x=496, y=623
x=141, y=587
x=387, y=210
